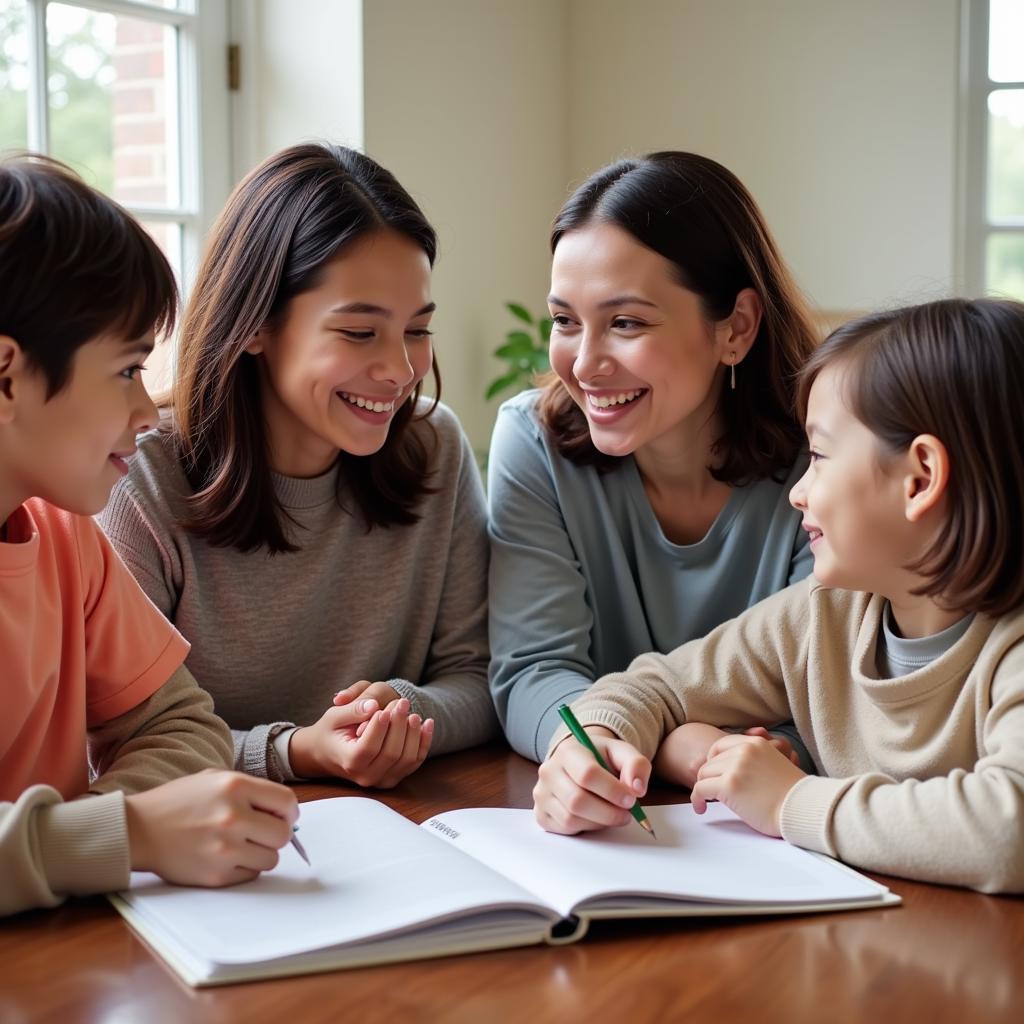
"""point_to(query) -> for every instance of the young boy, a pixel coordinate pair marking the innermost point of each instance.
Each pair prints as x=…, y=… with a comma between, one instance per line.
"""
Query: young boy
x=90, y=671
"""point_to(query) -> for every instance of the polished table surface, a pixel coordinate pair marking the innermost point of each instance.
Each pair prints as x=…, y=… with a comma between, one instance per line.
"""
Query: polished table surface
x=945, y=955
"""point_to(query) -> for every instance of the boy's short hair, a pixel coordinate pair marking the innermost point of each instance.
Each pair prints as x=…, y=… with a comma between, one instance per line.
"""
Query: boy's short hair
x=953, y=369
x=74, y=266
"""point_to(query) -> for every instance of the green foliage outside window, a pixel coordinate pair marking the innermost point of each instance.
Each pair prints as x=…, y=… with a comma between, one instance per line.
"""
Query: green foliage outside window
x=79, y=77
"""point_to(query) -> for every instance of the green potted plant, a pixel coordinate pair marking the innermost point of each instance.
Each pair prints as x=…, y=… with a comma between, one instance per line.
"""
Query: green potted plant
x=525, y=351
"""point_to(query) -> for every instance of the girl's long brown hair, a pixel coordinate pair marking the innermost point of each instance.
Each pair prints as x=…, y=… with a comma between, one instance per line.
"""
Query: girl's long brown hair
x=289, y=217
x=700, y=217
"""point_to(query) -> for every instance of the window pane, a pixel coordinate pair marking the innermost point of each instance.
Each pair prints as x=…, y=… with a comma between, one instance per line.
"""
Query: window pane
x=1006, y=40
x=159, y=365
x=13, y=75
x=113, y=102
x=1004, y=265
x=1006, y=153
x=168, y=237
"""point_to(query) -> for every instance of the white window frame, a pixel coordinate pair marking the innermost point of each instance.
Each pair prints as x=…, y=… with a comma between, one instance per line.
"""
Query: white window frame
x=975, y=227
x=204, y=123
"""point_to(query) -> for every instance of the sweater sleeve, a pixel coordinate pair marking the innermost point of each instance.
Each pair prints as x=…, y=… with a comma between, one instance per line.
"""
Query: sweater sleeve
x=958, y=829
x=173, y=733
x=454, y=690
x=738, y=675
x=142, y=547
x=50, y=849
x=540, y=623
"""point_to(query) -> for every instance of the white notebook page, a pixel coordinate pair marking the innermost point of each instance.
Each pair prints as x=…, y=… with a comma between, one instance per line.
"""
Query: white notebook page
x=373, y=872
x=710, y=857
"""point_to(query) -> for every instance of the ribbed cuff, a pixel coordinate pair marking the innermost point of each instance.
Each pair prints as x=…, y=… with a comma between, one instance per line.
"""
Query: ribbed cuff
x=807, y=811
x=609, y=720
x=83, y=845
x=418, y=701
x=257, y=755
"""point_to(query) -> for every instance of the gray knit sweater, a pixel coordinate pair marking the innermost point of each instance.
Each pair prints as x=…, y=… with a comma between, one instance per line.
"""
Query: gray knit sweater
x=274, y=637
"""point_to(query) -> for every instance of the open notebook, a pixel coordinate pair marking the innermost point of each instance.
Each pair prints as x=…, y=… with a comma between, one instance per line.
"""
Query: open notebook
x=382, y=888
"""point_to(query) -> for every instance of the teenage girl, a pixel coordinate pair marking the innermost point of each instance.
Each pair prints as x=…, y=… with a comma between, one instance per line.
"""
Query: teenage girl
x=310, y=523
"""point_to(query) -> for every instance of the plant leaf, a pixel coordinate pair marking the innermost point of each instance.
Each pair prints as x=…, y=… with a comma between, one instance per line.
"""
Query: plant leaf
x=500, y=383
x=519, y=344
x=539, y=361
x=519, y=311
x=545, y=329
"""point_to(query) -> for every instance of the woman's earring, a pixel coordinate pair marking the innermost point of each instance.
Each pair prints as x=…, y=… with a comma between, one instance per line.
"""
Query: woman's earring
x=732, y=373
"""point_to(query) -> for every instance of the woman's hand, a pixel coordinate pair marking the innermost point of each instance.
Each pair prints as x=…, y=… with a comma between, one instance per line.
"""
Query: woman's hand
x=575, y=794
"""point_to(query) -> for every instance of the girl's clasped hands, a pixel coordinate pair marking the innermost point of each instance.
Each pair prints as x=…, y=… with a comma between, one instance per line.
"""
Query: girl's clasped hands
x=370, y=736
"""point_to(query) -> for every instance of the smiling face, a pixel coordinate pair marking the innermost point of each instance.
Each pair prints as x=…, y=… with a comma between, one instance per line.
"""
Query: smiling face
x=346, y=354
x=630, y=344
x=71, y=449
x=852, y=497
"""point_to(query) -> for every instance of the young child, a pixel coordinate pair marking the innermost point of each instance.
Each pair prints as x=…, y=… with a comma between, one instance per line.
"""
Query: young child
x=902, y=662
x=90, y=669
x=313, y=527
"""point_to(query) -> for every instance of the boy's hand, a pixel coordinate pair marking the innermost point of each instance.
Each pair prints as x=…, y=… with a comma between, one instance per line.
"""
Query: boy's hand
x=363, y=743
x=751, y=776
x=575, y=794
x=214, y=828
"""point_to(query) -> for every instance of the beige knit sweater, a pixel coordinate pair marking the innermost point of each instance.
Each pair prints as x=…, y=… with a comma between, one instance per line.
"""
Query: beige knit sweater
x=50, y=849
x=921, y=775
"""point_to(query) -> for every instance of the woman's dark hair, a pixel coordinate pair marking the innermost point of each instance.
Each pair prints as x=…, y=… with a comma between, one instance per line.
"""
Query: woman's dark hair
x=281, y=225
x=953, y=369
x=75, y=267
x=698, y=216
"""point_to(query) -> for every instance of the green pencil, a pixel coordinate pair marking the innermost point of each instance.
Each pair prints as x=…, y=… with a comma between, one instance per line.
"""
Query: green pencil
x=577, y=730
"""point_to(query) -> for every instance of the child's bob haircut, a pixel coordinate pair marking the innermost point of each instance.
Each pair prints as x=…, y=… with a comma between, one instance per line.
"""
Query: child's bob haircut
x=75, y=267
x=953, y=369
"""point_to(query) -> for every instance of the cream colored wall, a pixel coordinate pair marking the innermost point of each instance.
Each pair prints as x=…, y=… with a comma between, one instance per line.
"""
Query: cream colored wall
x=301, y=75
x=840, y=117
x=464, y=100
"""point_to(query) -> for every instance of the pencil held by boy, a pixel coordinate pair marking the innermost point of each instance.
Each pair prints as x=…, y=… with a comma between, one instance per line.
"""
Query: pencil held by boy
x=97, y=702
x=901, y=661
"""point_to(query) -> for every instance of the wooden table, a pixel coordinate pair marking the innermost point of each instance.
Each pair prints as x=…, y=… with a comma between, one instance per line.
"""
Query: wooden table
x=945, y=955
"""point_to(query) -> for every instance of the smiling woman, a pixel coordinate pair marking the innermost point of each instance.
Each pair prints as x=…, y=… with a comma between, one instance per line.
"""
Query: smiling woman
x=298, y=483
x=640, y=499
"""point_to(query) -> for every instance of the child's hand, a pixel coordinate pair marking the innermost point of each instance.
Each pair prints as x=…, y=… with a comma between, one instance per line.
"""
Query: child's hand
x=213, y=828
x=780, y=743
x=751, y=776
x=391, y=744
x=575, y=794
x=684, y=750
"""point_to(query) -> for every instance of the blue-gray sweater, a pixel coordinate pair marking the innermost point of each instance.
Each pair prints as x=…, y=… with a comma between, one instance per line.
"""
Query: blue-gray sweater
x=582, y=579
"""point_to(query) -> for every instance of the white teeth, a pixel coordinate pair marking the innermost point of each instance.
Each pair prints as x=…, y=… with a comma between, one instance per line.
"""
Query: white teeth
x=365, y=403
x=608, y=400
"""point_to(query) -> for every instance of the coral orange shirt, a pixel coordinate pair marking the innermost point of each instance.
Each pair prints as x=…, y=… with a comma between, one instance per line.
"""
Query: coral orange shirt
x=80, y=643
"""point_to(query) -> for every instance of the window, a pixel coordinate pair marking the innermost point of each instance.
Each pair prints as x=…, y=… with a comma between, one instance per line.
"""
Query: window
x=113, y=87
x=992, y=148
